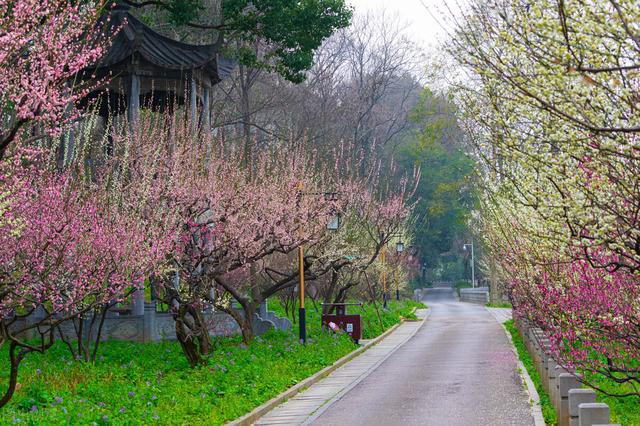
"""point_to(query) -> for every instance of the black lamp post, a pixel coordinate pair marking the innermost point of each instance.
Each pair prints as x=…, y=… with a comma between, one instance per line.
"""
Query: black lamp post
x=335, y=220
x=399, y=250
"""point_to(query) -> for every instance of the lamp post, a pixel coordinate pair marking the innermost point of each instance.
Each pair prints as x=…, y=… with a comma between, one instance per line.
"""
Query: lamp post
x=473, y=270
x=332, y=225
x=384, y=281
x=399, y=250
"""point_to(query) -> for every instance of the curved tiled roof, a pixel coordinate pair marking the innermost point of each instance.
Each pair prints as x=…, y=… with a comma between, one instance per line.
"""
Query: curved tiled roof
x=134, y=37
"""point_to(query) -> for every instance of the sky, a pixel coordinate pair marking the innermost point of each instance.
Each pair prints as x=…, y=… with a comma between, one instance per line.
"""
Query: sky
x=422, y=25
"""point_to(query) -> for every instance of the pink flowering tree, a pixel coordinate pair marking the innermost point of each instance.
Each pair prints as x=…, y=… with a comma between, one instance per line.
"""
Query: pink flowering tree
x=63, y=254
x=227, y=217
x=43, y=45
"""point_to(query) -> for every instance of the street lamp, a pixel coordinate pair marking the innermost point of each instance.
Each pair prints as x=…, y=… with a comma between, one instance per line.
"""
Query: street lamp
x=332, y=225
x=399, y=250
x=334, y=221
x=473, y=270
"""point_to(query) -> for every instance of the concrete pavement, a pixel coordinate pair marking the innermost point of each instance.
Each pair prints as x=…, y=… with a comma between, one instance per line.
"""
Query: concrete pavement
x=300, y=408
x=458, y=369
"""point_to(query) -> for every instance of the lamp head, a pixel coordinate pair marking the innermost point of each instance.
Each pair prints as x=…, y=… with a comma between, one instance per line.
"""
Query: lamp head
x=334, y=222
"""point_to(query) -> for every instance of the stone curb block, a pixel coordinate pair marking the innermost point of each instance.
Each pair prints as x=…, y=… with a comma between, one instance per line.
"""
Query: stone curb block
x=258, y=412
x=575, y=406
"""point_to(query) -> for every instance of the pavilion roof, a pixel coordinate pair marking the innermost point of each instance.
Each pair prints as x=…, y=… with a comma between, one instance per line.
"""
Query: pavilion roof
x=136, y=38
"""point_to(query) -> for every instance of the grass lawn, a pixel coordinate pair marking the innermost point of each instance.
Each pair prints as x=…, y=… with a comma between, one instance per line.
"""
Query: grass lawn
x=624, y=411
x=134, y=383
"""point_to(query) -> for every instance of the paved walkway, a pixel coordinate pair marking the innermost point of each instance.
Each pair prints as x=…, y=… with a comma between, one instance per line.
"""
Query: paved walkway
x=301, y=407
x=502, y=315
x=458, y=369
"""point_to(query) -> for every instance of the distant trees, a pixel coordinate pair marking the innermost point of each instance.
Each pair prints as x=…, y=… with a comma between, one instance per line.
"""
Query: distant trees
x=446, y=194
x=359, y=92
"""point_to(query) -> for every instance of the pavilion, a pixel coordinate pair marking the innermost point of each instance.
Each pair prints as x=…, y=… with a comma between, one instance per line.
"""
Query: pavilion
x=144, y=67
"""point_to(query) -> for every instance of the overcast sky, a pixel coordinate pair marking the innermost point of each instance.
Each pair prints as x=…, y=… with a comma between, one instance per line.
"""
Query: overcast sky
x=421, y=24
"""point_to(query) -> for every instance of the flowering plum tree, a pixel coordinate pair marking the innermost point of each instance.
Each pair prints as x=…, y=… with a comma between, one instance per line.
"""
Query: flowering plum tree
x=63, y=253
x=553, y=111
x=43, y=45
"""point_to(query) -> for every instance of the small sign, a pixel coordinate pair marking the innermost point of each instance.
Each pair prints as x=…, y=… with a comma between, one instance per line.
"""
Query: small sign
x=349, y=328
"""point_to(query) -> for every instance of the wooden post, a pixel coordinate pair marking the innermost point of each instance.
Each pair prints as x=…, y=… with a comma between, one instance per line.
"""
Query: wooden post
x=206, y=113
x=302, y=317
x=133, y=111
x=193, y=97
x=134, y=100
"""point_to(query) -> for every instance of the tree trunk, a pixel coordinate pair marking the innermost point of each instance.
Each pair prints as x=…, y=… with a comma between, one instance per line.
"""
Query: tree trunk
x=14, y=361
x=244, y=322
x=193, y=334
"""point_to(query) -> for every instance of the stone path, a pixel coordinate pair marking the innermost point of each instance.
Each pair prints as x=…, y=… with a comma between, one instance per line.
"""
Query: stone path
x=457, y=369
x=502, y=315
x=301, y=407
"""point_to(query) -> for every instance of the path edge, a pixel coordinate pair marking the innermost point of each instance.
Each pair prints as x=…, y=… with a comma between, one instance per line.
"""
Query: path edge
x=258, y=412
x=328, y=403
x=530, y=387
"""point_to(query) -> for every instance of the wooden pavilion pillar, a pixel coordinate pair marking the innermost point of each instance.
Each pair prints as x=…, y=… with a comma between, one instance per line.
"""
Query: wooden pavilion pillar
x=206, y=113
x=193, y=102
x=133, y=112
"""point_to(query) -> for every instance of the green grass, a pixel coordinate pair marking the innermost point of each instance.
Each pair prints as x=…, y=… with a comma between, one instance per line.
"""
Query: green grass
x=136, y=383
x=548, y=411
x=499, y=305
x=624, y=411
x=151, y=383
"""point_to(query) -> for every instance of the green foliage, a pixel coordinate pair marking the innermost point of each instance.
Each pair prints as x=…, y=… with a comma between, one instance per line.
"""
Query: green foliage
x=295, y=28
x=445, y=193
x=461, y=284
x=499, y=305
x=151, y=383
x=548, y=411
x=292, y=29
x=183, y=11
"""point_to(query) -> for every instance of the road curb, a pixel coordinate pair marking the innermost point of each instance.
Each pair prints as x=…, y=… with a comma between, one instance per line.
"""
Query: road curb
x=260, y=411
x=534, y=397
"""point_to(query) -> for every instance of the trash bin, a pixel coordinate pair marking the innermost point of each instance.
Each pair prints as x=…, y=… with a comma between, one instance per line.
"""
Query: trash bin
x=350, y=324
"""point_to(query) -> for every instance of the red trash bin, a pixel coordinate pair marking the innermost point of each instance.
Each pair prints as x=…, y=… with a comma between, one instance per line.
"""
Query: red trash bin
x=350, y=324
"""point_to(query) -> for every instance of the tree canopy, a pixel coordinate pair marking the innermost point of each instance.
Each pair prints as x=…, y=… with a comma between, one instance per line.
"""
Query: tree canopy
x=277, y=35
x=445, y=196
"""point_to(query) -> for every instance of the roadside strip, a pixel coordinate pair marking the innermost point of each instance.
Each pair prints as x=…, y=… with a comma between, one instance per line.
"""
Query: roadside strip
x=534, y=398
